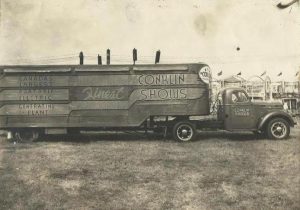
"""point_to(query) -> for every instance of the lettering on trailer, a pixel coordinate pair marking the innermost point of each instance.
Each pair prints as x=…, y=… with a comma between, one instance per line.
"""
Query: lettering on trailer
x=36, y=109
x=148, y=80
x=99, y=93
x=35, y=94
x=163, y=94
x=242, y=112
x=35, y=81
x=161, y=79
x=34, y=88
x=96, y=93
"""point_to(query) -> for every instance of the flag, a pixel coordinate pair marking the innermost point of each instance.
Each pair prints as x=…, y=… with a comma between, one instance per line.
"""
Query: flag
x=279, y=74
x=220, y=73
x=264, y=73
x=239, y=74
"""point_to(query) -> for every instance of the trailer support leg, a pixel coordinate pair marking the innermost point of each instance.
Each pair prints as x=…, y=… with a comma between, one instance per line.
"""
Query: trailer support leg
x=146, y=127
x=165, y=132
x=151, y=122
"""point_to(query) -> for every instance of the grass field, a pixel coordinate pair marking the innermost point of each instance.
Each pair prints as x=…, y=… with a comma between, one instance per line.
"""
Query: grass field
x=122, y=171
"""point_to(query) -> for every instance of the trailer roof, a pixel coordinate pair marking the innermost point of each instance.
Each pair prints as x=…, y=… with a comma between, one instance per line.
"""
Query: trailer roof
x=98, y=68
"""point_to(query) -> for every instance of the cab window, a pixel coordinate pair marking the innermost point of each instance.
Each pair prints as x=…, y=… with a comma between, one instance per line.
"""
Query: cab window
x=239, y=97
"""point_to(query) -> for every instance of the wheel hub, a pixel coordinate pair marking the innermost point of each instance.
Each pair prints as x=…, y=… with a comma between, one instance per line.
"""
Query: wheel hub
x=184, y=132
x=279, y=129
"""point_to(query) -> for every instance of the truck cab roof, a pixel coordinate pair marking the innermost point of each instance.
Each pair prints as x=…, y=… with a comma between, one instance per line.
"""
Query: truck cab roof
x=230, y=89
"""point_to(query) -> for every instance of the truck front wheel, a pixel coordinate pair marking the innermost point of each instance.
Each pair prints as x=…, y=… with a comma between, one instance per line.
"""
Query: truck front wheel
x=278, y=128
x=26, y=135
x=184, y=131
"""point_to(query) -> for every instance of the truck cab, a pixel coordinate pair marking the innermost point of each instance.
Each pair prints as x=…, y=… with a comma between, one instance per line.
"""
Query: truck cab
x=237, y=112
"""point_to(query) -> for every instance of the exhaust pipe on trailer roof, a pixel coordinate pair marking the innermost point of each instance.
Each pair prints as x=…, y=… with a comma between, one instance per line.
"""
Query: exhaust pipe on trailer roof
x=99, y=60
x=81, y=57
x=157, y=57
x=134, y=55
x=108, y=57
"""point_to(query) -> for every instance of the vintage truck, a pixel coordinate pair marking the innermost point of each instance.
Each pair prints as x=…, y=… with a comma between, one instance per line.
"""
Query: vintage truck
x=60, y=99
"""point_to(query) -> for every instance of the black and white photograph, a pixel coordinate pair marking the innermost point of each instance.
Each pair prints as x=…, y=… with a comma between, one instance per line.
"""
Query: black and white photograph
x=149, y=104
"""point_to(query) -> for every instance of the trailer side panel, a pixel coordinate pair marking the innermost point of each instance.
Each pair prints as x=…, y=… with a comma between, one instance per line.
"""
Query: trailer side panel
x=99, y=96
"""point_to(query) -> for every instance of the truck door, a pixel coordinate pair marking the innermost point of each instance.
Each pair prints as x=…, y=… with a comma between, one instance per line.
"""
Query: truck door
x=239, y=111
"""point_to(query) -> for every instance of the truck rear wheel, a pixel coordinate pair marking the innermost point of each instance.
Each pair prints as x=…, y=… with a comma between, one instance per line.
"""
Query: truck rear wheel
x=184, y=131
x=278, y=128
x=26, y=135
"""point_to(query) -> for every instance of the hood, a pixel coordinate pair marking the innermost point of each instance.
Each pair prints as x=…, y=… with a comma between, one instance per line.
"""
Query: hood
x=269, y=104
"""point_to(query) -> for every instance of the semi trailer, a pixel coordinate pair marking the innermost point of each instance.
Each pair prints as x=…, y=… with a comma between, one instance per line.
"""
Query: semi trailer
x=174, y=98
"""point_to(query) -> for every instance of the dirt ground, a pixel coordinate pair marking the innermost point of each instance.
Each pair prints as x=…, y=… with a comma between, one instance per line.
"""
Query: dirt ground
x=122, y=171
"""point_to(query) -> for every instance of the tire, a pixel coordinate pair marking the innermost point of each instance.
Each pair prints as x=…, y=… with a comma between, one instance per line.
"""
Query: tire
x=26, y=135
x=184, y=131
x=278, y=129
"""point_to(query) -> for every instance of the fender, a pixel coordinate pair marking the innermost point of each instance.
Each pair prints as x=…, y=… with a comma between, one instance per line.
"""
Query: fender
x=279, y=114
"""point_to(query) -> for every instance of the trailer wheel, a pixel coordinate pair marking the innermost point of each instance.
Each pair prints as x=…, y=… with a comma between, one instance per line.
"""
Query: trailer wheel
x=278, y=128
x=184, y=131
x=26, y=135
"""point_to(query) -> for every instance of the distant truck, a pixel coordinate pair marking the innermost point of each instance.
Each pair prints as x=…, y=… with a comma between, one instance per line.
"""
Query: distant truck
x=61, y=99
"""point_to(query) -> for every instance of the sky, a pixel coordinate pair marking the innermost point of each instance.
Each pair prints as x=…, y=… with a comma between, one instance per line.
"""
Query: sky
x=232, y=36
